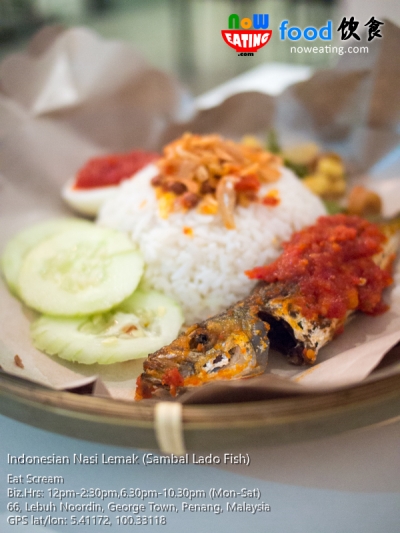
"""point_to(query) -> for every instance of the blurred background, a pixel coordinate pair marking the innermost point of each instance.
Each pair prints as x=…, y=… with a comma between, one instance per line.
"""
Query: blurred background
x=183, y=37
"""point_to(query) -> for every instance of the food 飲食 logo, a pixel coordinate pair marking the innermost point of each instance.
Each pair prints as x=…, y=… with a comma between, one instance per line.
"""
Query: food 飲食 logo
x=347, y=27
x=247, y=40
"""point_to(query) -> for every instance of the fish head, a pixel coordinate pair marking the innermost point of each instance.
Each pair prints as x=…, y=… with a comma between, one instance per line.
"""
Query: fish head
x=228, y=346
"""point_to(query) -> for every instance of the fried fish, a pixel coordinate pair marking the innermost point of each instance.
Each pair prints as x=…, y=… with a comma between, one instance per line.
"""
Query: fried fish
x=233, y=344
x=325, y=273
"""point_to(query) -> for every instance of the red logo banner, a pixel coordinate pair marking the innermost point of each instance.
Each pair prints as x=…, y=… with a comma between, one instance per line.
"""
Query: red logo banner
x=246, y=40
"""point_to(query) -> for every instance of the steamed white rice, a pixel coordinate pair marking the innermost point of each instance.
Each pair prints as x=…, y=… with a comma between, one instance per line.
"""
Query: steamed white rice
x=205, y=272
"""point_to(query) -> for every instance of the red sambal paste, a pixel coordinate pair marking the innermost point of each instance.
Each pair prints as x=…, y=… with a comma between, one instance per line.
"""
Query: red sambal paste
x=173, y=378
x=333, y=267
x=112, y=169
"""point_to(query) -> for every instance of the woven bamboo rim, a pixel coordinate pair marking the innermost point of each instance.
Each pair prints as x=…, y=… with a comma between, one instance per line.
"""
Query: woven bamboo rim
x=205, y=427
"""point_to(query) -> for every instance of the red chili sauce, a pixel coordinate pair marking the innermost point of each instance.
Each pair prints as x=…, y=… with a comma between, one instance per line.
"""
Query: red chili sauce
x=142, y=392
x=171, y=377
x=249, y=183
x=332, y=263
x=112, y=169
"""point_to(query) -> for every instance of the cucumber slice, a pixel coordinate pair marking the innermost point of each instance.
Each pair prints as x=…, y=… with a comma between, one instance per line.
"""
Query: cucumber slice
x=18, y=247
x=142, y=324
x=80, y=272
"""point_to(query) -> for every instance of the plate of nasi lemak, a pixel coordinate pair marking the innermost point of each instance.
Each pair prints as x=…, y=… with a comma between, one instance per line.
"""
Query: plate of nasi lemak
x=210, y=277
x=170, y=278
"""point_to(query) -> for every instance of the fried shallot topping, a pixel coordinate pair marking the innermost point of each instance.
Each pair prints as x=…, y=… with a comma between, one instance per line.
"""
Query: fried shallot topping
x=213, y=175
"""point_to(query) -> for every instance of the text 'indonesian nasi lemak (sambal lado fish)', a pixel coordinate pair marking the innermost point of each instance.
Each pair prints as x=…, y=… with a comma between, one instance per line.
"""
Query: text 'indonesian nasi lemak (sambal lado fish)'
x=327, y=271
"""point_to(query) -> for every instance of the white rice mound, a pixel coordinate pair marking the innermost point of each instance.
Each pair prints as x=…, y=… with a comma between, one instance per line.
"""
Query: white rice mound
x=205, y=272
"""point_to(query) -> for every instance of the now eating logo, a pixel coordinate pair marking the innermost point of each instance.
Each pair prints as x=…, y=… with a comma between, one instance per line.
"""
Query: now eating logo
x=247, y=39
